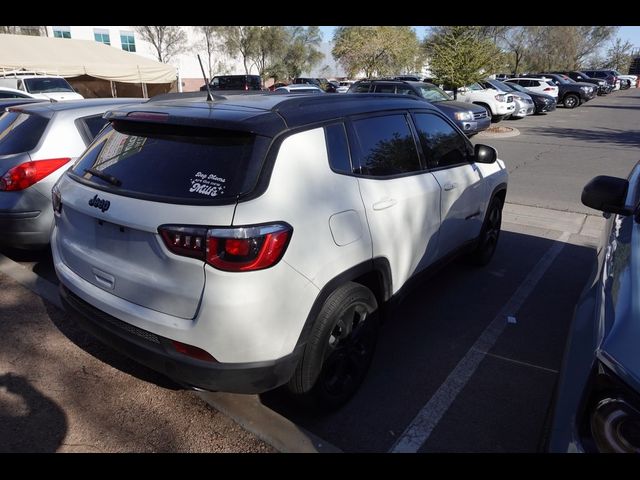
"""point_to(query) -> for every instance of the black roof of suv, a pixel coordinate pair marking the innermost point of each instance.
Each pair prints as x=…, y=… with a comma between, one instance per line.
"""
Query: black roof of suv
x=267, y=114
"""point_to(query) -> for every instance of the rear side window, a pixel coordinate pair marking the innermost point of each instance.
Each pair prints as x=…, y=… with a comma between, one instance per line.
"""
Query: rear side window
x=338, y=148
x=183, y=165
x=360, y=87
x=384, y=88
x=442, y=144
x=387, y=146
x=20, y=132
x=90, y=127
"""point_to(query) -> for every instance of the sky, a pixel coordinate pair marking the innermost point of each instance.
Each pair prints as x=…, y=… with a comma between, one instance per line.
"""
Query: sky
x=625, y=33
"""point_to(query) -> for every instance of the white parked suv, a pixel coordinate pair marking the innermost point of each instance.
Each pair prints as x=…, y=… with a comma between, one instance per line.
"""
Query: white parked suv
x=497, y=103
x=249, y=242
x=47, y=87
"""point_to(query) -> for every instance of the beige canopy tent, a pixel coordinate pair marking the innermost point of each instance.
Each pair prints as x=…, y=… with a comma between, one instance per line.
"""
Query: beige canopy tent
x=86, y=61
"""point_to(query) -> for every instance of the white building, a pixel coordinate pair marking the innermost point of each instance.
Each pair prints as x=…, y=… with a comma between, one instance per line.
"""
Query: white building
x=126, y=38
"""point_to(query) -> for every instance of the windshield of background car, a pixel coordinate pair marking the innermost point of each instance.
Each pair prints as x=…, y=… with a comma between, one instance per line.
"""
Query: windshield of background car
x=20, y=132
x=517, y=87
x=47, y=85
x=433, y=94
x=475, y=86
x=506, y=87
x=183, y=164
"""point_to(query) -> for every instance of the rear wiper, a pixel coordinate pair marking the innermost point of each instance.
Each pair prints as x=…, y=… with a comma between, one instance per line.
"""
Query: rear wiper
x=104, y=176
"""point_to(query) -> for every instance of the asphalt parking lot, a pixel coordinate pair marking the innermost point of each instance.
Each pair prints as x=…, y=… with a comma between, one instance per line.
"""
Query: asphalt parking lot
x=466, y=363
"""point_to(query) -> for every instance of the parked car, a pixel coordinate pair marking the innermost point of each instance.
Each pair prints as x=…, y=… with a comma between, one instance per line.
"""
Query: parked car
x=524, y=103
x=260, y=255
x=542, y=103
x=47, y=87
x=536, y=85
x=597, y=404
x=234, y=82
x=471, y=119
x=6, y=92
x=276, y=85
x=571, y=94
x=38, y=142
x=610, y=76
x=499, y=105
x=603, y=86
x=344, y=86
x=300, y=88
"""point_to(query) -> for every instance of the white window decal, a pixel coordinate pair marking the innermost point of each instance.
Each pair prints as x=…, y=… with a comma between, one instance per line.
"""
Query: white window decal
x=207, y=184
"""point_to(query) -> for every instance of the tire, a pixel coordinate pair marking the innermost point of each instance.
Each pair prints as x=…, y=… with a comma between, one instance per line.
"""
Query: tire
x=489, y=235
x=571, y=101
x=339, y=350
x=486, y=107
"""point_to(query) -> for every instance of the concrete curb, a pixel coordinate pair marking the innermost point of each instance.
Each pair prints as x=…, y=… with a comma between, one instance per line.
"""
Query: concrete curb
x=269, y=426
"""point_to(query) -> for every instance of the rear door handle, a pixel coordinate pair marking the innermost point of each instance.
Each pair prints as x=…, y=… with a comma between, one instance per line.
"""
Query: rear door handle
x=450, y=186
x=384, y=203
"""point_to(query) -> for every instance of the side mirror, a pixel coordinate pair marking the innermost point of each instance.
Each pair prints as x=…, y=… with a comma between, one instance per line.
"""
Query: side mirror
x=607, y=194
x=485, y=154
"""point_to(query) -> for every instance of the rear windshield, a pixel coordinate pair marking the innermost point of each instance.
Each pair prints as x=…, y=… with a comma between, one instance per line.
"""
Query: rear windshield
x=192, y=165
x=20, y=132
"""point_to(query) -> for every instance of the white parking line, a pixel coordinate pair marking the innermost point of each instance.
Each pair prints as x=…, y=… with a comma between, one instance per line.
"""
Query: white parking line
x=420, y=429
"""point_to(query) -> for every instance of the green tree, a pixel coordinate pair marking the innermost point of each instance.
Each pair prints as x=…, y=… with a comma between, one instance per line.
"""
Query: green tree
x=270, y=47
x=303, y=50
x=167, y=40
x=381, y=50
x=241, y=40
x=458, y=56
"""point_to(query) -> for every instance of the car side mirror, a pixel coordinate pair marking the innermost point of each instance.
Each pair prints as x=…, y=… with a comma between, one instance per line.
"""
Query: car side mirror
x=485, y=154
x=607, y=194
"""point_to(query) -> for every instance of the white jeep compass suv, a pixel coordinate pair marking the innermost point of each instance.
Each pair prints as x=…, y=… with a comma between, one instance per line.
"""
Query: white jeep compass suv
x=248, y=242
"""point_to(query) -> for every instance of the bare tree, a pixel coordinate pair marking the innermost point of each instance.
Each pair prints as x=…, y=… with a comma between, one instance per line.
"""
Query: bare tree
x=208, y=41
x=167, y=40
x=619, y=55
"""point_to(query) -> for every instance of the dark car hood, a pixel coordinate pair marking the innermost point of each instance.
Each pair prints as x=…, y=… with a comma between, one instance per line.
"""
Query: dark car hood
x=455, y=106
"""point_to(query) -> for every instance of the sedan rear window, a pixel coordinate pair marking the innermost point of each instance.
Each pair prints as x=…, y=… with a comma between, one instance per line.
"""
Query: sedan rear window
x=20, y=132
x=187, y=166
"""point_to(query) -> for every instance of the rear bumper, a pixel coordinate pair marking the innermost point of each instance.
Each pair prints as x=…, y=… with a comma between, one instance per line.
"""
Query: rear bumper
x=157, y=353
x=26, y=219
x=29, y=229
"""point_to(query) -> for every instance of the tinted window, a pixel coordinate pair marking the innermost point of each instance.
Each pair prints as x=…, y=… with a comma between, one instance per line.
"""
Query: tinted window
x=20, y=132
x=94, y=125
x=386, y=145
x=11, y=95
x=360, y=87
x=442, y=144
x=180, y=163
x=384, y=88
x=236, y=82
x=338, y=148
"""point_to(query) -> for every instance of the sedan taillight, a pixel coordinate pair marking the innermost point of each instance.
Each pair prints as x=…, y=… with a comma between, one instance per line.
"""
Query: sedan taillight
x=26, y=174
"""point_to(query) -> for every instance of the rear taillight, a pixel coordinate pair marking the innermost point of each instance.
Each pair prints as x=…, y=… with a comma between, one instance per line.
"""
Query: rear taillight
x=26, y=174
x=549, y=89
x=238, y=249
